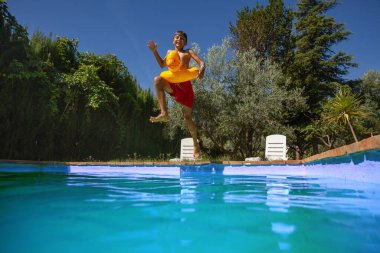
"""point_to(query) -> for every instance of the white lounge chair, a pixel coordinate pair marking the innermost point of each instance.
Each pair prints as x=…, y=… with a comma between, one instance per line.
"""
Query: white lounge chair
x=187, y=149
x=275, y=147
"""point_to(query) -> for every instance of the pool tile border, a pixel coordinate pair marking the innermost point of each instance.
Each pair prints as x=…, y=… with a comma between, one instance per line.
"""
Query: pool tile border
x=290, y=162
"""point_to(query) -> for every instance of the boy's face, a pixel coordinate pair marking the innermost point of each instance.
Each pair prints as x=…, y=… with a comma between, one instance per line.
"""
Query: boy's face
x=179, y=41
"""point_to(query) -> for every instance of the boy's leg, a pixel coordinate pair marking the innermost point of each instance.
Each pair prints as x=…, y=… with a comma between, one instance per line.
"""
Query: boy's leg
x=161, y=86
x=187, y=114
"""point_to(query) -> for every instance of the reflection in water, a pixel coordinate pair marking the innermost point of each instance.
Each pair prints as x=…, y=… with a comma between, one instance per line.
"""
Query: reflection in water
x=278, y=190
x=285, y=230
x=277, y=193
x=194, y=184
x=198, y=183
x=188, y=191
x=143, y=189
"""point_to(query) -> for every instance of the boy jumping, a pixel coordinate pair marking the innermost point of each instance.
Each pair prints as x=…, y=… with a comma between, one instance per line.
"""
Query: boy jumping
x=182, y=92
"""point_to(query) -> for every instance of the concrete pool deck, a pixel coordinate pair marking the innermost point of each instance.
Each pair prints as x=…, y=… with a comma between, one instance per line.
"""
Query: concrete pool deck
x=371, y=143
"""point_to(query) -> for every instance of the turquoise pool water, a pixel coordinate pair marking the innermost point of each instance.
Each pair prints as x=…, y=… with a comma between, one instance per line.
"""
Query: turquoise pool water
x=209, y=208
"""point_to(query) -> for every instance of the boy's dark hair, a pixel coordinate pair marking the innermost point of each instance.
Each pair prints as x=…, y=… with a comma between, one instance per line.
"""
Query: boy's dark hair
x=181, y=33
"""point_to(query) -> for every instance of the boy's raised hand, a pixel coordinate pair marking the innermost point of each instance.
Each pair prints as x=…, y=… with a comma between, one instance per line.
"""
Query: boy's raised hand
x=152, y=46
x=201, y=73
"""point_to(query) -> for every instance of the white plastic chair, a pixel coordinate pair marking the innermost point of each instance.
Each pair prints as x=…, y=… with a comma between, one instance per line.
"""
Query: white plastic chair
x=275, y=147
x=187, y=149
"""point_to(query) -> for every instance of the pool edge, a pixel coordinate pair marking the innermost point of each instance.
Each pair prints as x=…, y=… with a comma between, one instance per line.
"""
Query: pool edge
x=371, y=143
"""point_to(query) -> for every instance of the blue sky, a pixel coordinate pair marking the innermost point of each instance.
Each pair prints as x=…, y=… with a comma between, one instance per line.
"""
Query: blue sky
x=124, y=27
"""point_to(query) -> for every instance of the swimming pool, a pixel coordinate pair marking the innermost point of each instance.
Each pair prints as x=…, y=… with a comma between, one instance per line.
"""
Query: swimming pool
x=205, y=208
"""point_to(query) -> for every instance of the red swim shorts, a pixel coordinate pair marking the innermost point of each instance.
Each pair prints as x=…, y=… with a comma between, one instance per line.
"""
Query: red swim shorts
x=183, y=93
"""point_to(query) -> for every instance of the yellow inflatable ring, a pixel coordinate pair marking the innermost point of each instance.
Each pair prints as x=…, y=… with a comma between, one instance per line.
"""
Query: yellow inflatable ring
x=180, y=76
x=172, y=60
x=173, y=75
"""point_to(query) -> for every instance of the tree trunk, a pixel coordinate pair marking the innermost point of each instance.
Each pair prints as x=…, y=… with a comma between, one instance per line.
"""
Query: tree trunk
x=315, y=148
x=297, y=153
x=249, y=147
x=352, y=130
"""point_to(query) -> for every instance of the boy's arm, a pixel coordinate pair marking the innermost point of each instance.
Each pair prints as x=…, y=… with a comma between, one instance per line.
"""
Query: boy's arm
x=153, y=47
x=201, y=64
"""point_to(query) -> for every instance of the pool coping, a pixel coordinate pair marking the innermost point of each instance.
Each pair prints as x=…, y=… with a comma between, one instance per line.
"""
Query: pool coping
x=371, y=143
x=367, y=144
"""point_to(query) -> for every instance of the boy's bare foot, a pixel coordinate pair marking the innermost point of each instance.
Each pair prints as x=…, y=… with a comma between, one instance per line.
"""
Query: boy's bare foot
x=197, y=151
x=160, y=118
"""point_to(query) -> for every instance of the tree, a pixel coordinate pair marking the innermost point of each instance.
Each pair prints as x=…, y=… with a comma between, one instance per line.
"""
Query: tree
x=23, y=113
x=13, y=39
x=59, y=104
x=370, y=86
x=239, y=102
x=268, y=30
x=343, y=107
x=315, y=63
x=370, y=90
x=328, y=133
